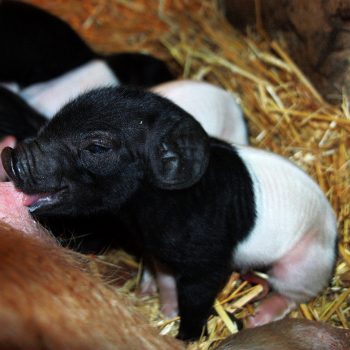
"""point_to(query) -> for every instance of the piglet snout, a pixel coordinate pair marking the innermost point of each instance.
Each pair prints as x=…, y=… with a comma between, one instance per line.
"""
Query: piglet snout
x=19, y=164
x=7, y=161
x=6, y=142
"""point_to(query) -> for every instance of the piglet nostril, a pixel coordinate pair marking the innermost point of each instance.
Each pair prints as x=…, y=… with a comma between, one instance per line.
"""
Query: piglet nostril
x=7, y=162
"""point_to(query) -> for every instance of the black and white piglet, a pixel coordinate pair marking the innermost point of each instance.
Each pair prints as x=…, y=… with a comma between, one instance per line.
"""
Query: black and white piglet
x=198, y=206
x=213, y=107
x=36, y=47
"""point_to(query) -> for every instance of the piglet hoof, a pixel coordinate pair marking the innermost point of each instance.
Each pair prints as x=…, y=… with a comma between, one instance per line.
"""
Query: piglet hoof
x=169, y=310
x=148, y=285
x=273, y=307
x=185, y=338
x=190, y=335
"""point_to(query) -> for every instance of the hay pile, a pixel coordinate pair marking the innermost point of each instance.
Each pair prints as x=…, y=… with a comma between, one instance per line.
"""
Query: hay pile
x=285, y=112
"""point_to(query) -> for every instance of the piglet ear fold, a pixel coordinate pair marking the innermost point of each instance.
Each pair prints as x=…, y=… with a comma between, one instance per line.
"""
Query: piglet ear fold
x=178, y=153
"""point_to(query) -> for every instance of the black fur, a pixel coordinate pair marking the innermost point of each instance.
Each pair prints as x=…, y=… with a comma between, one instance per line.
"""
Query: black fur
x=138, y=69
x=17, y=118
x=37, y=46
x=186, y=198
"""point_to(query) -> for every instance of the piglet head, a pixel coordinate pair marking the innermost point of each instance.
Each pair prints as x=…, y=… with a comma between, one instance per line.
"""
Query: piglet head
x=102, y=147
x=37, y=171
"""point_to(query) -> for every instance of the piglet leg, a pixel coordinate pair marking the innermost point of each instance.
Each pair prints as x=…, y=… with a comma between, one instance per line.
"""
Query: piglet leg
x=273, y=307
x=295, y=278
x=165, y=281
x=148, y=285
x=197, y=294
x=167, y=291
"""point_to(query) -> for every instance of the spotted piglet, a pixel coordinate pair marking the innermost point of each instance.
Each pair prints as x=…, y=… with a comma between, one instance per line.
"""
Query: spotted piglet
x=198, y=206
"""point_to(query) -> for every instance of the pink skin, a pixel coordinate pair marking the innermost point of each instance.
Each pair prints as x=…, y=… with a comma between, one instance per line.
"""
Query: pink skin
x=148, y=286
x=14, y=213
x=167, y=291
x=275, y=306
x=165, y=281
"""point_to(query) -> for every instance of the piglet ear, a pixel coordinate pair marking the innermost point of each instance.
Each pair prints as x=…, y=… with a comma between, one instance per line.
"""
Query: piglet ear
x=178, y=153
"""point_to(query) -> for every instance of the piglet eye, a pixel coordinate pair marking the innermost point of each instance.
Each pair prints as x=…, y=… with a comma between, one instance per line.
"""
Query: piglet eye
x=97, y=149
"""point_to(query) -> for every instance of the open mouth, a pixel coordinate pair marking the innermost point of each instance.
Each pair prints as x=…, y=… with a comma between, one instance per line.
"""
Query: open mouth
x=41, y=200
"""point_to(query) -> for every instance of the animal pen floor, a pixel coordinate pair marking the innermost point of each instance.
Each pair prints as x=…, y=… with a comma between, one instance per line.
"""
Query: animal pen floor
x=285, y=113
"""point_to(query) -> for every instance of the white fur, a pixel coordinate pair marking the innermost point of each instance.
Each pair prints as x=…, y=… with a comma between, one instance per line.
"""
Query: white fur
x=213, y=107
x=295, y=229
x=12, y=86
x=48, y=97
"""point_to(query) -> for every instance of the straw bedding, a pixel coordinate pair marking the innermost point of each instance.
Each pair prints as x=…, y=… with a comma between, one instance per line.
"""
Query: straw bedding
x=285, y=113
